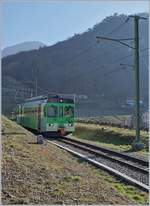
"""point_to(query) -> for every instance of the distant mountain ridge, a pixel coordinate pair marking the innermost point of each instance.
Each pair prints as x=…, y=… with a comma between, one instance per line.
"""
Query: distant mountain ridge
x=80, y=65
x=24, y=46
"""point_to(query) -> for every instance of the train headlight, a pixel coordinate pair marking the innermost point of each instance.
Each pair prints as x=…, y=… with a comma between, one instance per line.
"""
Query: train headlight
x=69, y=125
x=51, y=125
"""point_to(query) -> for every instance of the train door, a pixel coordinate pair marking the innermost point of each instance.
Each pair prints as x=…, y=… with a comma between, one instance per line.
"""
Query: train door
x=39, y=118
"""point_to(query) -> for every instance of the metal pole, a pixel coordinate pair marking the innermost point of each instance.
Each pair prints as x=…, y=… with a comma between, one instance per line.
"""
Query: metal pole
x=74, y=99
x=137, y=88
x=35, y=86
x=137, y=144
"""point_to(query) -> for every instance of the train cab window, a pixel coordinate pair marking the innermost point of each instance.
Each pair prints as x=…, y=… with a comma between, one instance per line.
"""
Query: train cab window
x=52, y=111
x=69, y=111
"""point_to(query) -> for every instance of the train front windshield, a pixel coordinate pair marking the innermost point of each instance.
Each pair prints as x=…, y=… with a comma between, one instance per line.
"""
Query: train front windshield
x=52, y=111
x=60, y=111
x=69, y=111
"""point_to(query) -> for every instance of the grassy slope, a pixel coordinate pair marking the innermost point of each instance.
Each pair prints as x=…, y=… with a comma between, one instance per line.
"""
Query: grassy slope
x=113, y=137
x=45, y=174
x=108, y=118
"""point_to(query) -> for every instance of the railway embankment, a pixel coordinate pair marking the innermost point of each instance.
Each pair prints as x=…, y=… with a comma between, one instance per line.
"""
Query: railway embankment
x=44, y=174
x=116, y=138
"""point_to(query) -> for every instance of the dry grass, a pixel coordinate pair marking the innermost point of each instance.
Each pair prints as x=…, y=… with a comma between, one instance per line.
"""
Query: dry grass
x=45, y=174
x=113, y=137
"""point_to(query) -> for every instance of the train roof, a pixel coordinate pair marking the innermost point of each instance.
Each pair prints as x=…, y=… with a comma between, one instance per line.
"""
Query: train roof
x=49, y=98
x=36, y=98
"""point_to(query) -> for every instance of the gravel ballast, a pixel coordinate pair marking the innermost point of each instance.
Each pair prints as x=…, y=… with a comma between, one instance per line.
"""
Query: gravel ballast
x=144, y=178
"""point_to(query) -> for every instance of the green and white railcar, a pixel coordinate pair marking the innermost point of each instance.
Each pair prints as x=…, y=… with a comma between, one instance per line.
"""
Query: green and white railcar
x=47, y=114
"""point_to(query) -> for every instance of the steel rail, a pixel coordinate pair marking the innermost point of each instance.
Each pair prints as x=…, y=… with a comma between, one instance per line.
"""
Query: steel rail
x=99, y=153
x=110, y=151
x=104, y=167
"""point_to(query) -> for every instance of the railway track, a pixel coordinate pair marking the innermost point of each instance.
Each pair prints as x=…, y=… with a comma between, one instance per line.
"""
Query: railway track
x=139, y=162
x=129, y=169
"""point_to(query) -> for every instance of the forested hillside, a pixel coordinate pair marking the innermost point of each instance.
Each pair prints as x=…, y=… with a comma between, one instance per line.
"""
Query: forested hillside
x=81, y=65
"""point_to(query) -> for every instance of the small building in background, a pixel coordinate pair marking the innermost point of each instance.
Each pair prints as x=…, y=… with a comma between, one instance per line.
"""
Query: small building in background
x=145, y=119
x=129, y=121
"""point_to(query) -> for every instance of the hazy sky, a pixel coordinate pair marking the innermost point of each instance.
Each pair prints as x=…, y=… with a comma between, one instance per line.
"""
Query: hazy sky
x=52, y=21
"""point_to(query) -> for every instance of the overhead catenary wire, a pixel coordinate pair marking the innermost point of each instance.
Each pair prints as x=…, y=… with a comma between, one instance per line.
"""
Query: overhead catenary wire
x=127, y=56
x=113, y=31
x=114, y=70
x=95, y=71
x=104, y=66
x=119, y=26
x=144, y=63
x=84, y=51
